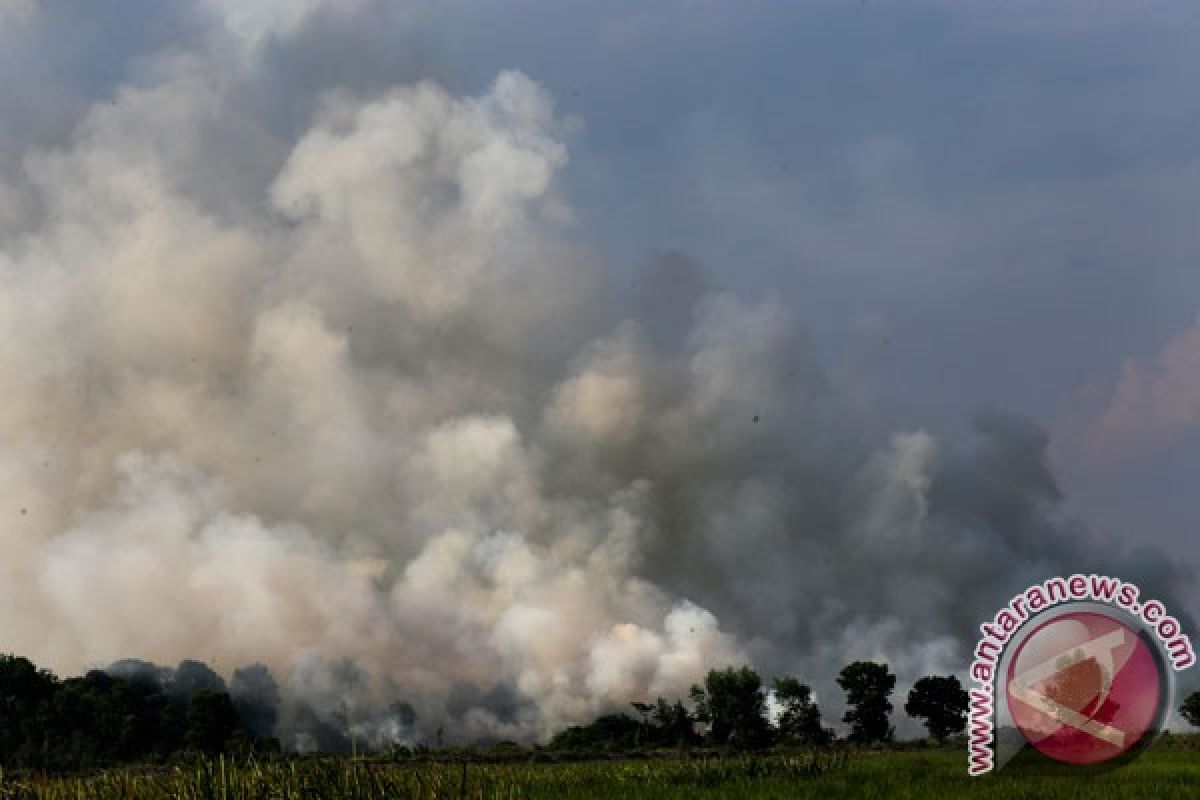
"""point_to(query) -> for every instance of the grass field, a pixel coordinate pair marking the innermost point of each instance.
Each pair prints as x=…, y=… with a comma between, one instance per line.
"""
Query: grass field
x=920, y=775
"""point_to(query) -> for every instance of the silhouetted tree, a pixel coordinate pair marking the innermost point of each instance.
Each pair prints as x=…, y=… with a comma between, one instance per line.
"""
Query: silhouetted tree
x=673, y=724
x=799, y=718
x=24, y=690
x=191, y=677
x=256, y=696
x=212, y=721
x=110, y=717
x=868, y=686
x=942, y=702
x=733, y=705
x=135, y=670
x=610, y=732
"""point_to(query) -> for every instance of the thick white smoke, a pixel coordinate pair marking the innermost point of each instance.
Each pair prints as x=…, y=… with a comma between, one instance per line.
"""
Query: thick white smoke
x=349, y=401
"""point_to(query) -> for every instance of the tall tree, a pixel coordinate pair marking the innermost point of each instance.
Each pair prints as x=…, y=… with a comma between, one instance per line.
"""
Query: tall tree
x=193, y=676
x=673, y=724
x=799, y=718
x=256, y=695
x=868, y=686
x=212, y=721
x=733, y=705
x=101, y=718
x=942, y=702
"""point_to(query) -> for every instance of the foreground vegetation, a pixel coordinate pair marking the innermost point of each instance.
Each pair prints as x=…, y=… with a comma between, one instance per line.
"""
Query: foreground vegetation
x=183, y=736
x=138, y=713
x=1165, y=773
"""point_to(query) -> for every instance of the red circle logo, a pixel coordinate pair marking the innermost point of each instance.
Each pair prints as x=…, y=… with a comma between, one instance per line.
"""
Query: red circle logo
x=1084, y=687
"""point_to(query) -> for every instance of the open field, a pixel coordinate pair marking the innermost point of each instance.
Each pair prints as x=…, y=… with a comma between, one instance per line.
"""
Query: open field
x=919, y=775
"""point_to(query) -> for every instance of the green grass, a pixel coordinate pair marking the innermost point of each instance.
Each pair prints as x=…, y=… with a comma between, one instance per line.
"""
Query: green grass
x=921, y=775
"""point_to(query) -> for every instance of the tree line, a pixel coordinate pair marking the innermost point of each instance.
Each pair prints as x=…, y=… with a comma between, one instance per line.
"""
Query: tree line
x=136, y=712
x=130, y=714
x=731, y=709
x=102, y=718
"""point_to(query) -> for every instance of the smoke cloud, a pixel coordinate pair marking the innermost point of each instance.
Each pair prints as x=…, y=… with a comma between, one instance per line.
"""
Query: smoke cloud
x=339, y=393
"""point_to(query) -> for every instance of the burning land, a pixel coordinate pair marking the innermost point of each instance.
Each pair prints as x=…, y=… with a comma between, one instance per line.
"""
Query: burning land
x=406, y=396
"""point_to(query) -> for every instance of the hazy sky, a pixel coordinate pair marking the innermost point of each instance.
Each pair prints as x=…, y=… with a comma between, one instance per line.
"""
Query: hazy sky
x=968, y=204
x=975, y=221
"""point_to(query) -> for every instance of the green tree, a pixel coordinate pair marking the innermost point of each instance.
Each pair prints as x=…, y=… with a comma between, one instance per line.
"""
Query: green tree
x=673, y=723
x=1191, y=709
x=212, y=720
x=799, y=719
x=868, y=686
x=103, y=718
x=733, y=705
x=610, y=732
x=942, y=702
x=255, y=694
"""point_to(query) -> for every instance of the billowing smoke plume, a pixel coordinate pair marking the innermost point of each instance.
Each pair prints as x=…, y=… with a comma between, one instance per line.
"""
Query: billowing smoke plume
x=336, y=391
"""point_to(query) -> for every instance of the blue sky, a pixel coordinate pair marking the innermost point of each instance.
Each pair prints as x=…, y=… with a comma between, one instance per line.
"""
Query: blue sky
x=969, y=205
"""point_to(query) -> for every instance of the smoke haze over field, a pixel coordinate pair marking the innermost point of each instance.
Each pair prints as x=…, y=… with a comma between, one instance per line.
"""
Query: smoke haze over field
x=310, y=359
